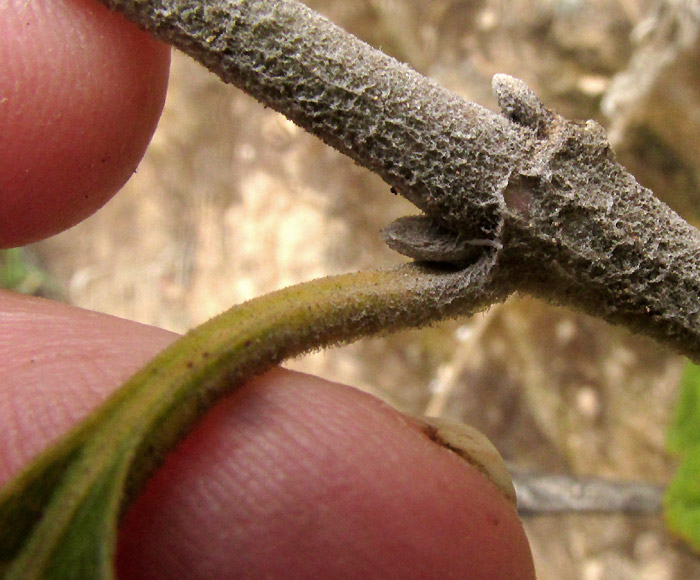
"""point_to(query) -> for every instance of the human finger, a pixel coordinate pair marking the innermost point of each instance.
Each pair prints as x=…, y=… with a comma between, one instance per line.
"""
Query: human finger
x=81, y=91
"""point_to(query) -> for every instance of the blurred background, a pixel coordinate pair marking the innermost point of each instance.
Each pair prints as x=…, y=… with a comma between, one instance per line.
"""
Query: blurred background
x=233, y=201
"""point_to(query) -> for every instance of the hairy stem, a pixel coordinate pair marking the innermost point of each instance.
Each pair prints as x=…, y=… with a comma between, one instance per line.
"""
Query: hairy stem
x=573, y=226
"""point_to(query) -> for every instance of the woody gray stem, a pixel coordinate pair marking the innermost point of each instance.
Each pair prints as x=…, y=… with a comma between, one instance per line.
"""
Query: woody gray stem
x=424, y=140
x=546, y=195
x=541, y=494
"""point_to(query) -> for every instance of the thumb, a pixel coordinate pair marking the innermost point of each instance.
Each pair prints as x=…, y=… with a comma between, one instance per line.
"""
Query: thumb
x=295, y=477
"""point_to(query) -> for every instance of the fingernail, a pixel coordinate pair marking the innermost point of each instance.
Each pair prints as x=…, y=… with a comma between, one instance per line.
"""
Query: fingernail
x=472, y=446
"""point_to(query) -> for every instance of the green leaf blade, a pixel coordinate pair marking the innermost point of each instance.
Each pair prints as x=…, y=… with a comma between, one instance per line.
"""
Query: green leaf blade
x=682, y=498
x=684, y=432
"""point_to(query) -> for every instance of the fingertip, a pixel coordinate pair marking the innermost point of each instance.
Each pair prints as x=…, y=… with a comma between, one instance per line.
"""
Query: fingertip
x=298, y=478
x=81, y=91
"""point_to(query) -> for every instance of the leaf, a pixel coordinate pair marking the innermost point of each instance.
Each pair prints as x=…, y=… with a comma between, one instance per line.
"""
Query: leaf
x=684, y=432
x=59, y=518
x=682, y=499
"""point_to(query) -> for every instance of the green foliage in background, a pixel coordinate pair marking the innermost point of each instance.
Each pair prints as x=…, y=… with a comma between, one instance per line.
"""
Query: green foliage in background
x=682, y=501
x=18, y=272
